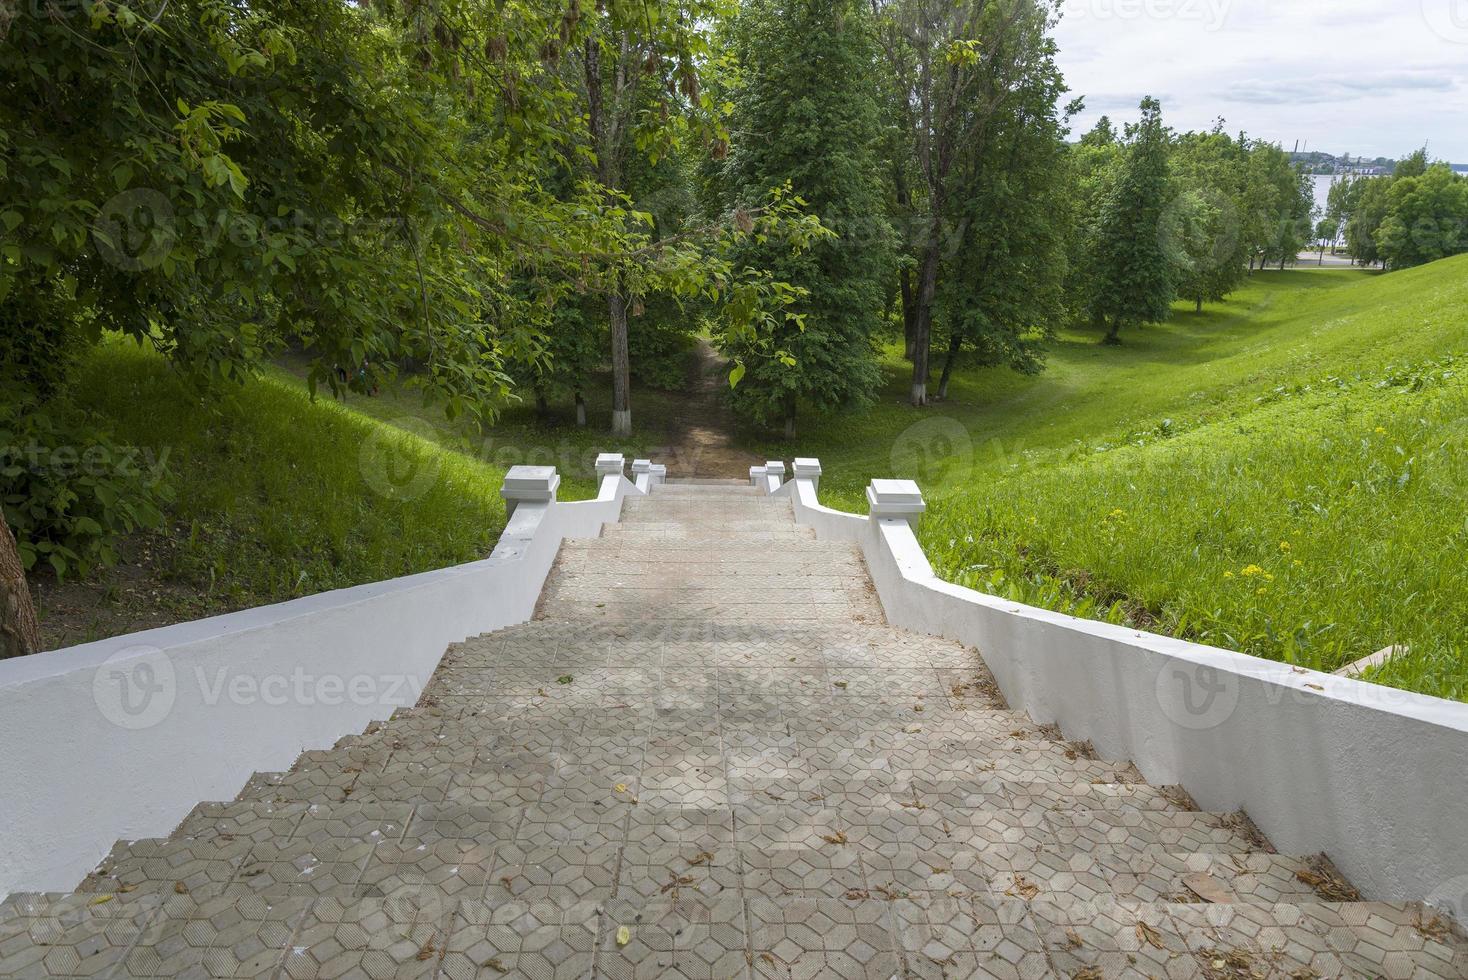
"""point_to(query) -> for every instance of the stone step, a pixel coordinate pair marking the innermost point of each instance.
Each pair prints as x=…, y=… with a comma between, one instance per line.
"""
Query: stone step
x=686, y=536
x=684, y=932
x=596, y=613
x=803, y=551
x=454, y=851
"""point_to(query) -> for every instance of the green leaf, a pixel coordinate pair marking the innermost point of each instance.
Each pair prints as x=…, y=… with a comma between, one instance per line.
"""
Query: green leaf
x=736, y=375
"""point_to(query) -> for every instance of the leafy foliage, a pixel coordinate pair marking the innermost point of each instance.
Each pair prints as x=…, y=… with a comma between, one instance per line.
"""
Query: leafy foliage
x=807, y=117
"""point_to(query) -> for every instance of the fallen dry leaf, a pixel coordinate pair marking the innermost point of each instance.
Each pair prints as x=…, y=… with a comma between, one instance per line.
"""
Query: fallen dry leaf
x=1208, y=888
x=179, y=888
x=839, y=837
x=1150, y=936
x=702, y=857
x=1023, y=888
x=496, y=964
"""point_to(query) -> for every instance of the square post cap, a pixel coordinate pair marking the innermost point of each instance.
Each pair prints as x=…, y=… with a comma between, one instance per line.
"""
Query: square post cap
x=896, y=498
x=806, y=467
x=775, y=467
x=756, y=473
x=659, y=471
x=641, y=466
x=610, y=464
x=531, y=484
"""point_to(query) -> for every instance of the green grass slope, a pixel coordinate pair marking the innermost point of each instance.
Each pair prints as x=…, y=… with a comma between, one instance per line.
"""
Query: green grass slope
x=1282, y=475
x=279, y=496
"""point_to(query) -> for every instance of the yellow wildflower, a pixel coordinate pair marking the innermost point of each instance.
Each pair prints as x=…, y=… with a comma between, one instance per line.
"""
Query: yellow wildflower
x=1284, y=546
x=1262, y=590
x=1380, y=431
x=1228, y=574
x=1297, y=563
x=1249, y=571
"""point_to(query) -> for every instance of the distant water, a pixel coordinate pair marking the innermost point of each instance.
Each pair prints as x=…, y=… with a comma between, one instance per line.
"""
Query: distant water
x=1322, y=184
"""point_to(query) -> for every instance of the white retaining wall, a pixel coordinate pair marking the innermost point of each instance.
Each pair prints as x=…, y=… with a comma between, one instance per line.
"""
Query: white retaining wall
x=1375, y=777
x=119, y=739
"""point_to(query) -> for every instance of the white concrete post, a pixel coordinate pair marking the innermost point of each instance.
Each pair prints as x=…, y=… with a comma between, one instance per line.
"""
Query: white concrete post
x=899, y=499
x=642, y=474
x=808, y=469
x=609, y=464
x=774, y=475
x=529, y=485
x=756, y=476
x=659, y=474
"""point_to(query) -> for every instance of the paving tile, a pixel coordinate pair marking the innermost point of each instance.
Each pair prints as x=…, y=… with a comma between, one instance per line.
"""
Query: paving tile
x=564, y=873
x=369, y=939
x=229, y=936
x=535, y=939
x=821, y=937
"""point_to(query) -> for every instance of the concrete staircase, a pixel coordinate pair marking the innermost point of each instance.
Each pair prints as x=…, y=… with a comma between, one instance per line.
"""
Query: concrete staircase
x=709, y=757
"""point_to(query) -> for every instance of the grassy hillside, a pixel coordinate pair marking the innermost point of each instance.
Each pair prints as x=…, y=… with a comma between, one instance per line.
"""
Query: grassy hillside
x=276, y=497
x=520, y=435
x=1283, y=474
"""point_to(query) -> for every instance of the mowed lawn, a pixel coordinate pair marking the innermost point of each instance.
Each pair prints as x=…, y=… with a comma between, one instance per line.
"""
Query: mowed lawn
x=1284, y=474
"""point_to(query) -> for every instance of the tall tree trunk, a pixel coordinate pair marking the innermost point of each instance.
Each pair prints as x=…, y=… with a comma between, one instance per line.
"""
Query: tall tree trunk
x=909, y=310
x=621, y=368
x=542, y=404
x=923, y=326
x=1113, y=332
x=20, y=634
x=904, y=275
x=1199, y=307
x=954, y=343
x=580, y=410
x=603, y=127
x=790, y=415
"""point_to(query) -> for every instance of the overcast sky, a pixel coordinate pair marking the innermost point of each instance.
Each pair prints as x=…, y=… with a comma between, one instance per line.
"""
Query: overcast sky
x=1368, y=77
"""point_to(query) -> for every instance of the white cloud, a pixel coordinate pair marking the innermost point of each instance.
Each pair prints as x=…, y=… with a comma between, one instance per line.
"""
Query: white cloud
x=1365, y=76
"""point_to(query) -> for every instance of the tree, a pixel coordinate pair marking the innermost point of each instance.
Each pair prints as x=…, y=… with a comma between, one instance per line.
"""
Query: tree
x=1370, y=212
x=1425, y=219
x=1202, y=227
x=952, y=66
x=806, y=117
x=1002, y=285
x=641, y=66
x=1326, y=232
x=1135, y=276
x=19, y=633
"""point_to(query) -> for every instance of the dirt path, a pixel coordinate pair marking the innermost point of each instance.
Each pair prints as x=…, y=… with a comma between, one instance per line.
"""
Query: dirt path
x=699, y=444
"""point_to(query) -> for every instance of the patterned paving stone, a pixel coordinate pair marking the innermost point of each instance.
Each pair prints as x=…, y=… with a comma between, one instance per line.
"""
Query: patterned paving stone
x=821, y=937
x=535, y=939
x=75, y=935
x=302, y=868
x=253, y=821
x=197, y=866
x=232, y=936
x=369, y=939
x=566, y=873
